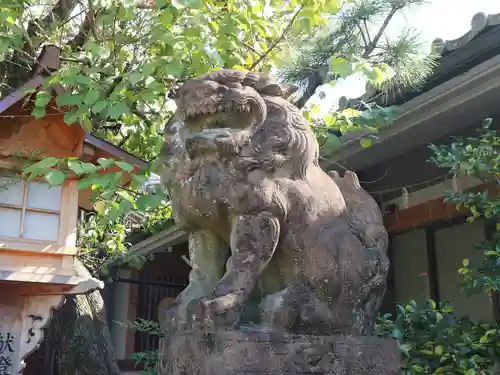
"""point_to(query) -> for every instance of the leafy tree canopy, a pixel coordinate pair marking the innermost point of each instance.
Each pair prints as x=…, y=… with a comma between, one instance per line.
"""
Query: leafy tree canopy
x=121, y=58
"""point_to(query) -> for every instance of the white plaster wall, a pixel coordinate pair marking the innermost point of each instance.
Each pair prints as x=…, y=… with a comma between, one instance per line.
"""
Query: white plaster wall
x=410, y=267
x=452, y=246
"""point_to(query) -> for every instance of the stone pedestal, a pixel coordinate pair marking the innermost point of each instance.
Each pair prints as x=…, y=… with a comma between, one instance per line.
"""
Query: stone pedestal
x=247, y=352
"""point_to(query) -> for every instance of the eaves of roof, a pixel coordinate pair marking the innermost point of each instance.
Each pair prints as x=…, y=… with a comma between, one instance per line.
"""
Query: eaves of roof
x=49, y=62
x=160, y=241
x=443, y=110
x=479, y=44
x=115, y=151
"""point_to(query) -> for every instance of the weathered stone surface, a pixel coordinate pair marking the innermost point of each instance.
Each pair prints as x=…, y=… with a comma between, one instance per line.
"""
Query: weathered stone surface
x=240, y=352
x=241, y=166
x=275, y=242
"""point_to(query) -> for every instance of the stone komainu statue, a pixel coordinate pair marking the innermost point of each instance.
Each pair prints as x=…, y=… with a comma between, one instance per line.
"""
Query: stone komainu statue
x=274, y=240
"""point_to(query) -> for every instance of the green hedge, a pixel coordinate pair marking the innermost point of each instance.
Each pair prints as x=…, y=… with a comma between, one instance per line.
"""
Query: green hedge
x=435, y=341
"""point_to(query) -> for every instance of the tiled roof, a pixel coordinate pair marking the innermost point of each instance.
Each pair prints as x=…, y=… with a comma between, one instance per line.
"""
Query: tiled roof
x=480, y=22
x=480, y=43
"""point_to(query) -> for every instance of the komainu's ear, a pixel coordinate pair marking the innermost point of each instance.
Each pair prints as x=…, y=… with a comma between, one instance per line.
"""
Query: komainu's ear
x=251, y=79
x=334, y=175
x=223, y=76
x=267, y=84
x=288, y=89
x=352, y=179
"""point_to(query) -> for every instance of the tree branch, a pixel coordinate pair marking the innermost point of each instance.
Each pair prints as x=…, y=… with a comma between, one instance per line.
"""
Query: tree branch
x=278, y=40
x=380, y=32
x=59, y=13
x=366, y=31
x=85, y=29
x=366, y=43
x=246, y=45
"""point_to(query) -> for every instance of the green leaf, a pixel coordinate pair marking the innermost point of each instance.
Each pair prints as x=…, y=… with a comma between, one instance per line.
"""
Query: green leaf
x=88, y=168
x=465, y=262
x=134, y=78
x=99, y=107
x=55, y=178
x=69, y=99
x=76, y=166
x=41, y=166
x=87, y=124
x=125, y=166
x=85, y=80
x=315, y=109
x=92, y=97
x=166, y=17
x=106, y=163
x=71, y=117
x=117, y=110
x=175, y=68
x=329, y=119
x=341, y=66
x=138, y=180
x=149, y=202
x=405, y=348
x=180, y=4
x=125, y=195
x=86, y=182
x=396, y=334
x=38, y=112
x=365, y=142
x=42, y=99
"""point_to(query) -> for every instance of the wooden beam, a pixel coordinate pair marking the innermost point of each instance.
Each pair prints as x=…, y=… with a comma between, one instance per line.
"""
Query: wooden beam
x=430, y=211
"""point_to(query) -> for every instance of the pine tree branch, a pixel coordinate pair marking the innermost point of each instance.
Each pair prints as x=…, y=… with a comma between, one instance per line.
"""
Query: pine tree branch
x=246, y=45
x=366, y=43
x=366, y=31
x=380, y=32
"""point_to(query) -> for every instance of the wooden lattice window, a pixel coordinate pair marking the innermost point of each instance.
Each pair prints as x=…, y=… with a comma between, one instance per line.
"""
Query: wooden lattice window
x=30, y=210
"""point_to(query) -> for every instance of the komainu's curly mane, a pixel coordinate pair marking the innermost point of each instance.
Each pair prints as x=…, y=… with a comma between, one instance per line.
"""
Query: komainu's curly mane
x=277, y=133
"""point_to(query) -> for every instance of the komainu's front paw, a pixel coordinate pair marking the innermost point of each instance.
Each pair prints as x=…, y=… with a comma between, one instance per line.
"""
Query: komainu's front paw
x=213, y=313
x=196, y=312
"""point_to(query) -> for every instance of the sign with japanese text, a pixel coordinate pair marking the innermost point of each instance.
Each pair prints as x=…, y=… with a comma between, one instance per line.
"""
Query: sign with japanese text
x=6, y=353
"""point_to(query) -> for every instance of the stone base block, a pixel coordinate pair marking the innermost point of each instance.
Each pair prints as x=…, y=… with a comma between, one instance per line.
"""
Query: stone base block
x=259, y=353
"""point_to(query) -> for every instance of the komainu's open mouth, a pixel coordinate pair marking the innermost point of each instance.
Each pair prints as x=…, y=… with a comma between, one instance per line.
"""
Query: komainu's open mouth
x=193, y=113
x=227, y=115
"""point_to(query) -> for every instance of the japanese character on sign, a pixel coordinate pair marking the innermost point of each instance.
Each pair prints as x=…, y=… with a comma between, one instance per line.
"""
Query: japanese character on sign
x=6, y=348
x=5, y=365
x=6, y=343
